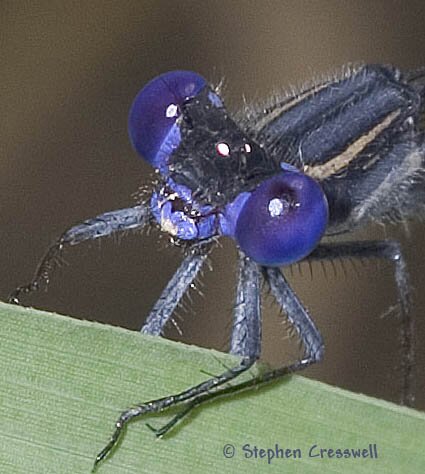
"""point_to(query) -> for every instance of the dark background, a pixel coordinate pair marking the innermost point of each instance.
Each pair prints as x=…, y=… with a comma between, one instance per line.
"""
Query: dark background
x=69, y=72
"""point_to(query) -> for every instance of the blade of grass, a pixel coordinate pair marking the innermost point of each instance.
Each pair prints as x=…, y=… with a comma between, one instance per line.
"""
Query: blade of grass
x=64, y=382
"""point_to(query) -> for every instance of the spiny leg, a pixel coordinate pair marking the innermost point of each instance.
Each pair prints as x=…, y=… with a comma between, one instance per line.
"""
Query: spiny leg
x=299, y=318
x=100, y=226
x=388, y=250
x=247, y=300
x=160, y=404
x=303, y=324
x=246, y=332
x=246, y=336
x=175, y=289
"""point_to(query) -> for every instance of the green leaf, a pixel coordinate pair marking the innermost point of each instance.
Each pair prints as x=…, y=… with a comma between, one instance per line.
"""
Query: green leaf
x=65, y=381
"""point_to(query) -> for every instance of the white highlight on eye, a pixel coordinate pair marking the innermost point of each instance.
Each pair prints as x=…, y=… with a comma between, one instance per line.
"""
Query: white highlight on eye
x=276, y=207
x=172, y=111
x=248, y=148
x=223, y=149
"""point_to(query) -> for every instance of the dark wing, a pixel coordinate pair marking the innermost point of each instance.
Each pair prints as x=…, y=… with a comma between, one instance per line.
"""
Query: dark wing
x=360, y=137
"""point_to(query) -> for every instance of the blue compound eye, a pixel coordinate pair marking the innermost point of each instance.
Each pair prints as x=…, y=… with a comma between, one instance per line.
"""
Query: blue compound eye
x=283, y=219
x=152, y=125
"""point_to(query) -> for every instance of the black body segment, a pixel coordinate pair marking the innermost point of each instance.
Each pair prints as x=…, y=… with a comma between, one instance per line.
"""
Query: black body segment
x=390, y=188
x=215, y=179
x=359, y=137
x=332, y=116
